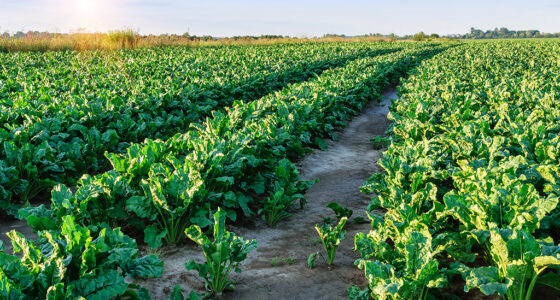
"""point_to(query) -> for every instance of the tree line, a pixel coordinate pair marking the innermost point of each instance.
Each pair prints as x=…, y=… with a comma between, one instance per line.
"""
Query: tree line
x=504, y=33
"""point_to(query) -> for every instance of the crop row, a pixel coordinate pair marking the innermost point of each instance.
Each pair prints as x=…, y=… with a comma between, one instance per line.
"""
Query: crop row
x=62, y=110
x=471, y=179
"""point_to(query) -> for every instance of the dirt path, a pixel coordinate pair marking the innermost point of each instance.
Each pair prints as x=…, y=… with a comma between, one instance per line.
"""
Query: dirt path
x=278, y=268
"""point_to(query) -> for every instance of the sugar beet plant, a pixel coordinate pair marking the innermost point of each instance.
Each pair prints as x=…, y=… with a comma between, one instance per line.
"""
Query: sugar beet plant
x=223, y=254
x=330, y=237
x=470, y=183
x=286, y=193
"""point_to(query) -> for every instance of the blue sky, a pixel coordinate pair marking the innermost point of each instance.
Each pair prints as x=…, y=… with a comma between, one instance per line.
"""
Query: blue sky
x=288, y=17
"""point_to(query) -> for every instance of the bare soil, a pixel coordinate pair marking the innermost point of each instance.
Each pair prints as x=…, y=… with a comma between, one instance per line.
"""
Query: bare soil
x=277, y=269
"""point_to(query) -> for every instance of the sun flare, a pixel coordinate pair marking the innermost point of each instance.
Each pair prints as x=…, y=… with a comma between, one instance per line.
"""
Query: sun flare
x=86, y=5
x=86, y=14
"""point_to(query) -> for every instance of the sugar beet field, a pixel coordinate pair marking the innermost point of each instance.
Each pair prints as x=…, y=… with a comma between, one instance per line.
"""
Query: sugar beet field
x=332, y=170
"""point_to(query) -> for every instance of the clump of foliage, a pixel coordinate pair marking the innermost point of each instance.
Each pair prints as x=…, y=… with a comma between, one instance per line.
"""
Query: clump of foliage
x=285, y=193
x=74, y=262
x=330, y=236
x=340, y=211
x=223, y=254
x=177, y=294
x=379, y=142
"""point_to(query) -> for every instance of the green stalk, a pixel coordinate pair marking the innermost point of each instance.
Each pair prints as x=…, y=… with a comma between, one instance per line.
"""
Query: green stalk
x=218, y=273
x=226, y=275
x=329, y=252
x=521, y=287
x=532, y=284
x=172, y=233
x=425, y=292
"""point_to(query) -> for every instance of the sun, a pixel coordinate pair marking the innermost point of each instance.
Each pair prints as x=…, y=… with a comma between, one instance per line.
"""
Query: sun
x=85, y=14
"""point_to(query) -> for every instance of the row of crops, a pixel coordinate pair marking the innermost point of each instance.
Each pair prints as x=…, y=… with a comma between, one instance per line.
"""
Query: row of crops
x=223, y=164
x=471, y=179
x=62, y=110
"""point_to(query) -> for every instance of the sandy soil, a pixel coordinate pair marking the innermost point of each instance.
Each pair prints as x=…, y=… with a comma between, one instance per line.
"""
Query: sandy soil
x=341, y=170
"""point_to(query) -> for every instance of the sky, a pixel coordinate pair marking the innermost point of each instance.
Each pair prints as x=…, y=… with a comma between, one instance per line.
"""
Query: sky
x=300, y=18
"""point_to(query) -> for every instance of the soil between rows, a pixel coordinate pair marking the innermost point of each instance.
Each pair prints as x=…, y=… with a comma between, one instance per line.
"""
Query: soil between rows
x=277, y=269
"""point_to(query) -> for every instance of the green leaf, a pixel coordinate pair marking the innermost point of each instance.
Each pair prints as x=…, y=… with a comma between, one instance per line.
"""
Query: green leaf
x=201, y=268
x=319, y=142
x=176, y=294
x=13, y=270
x=259, y=184
x=487, y=280
x=311, y=259
x=545, y=261
x=60, y=195
x=340, y=211
x=355, y=293
x=148, y=266
x=58, y=292
x=110, y=138
x=141, y=206
x=105, y=285
x=550, y=280
x=136, y=292
x=39, y=218
x=153, y=236
x=194, y=233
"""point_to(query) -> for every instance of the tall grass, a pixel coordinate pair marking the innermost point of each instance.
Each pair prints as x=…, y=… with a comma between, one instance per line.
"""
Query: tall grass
x=128, y=38
x=76, y=41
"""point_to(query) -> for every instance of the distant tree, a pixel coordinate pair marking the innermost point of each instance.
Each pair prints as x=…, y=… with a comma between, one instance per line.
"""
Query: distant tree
x=534, y=33
x=474, y=33
x=420, y=36
x=434, y=36
x=271, y=36
x=504, y=33
x=330, y=35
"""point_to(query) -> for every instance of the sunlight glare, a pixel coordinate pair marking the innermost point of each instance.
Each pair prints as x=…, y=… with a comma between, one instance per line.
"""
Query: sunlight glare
x=86, y=5
x=86, y=14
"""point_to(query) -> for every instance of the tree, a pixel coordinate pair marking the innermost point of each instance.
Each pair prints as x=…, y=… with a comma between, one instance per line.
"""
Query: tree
x=420, y=36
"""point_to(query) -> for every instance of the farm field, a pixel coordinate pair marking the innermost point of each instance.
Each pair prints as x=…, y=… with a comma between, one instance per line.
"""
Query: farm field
x=430, y=168
x=117, y=98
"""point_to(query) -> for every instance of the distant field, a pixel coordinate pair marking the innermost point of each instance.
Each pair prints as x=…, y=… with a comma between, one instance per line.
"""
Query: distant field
x=156, y=140
x=130, y=39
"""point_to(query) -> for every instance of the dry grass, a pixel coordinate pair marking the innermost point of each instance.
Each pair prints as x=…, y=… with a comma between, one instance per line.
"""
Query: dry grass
x=75, y=41
x=127, y=38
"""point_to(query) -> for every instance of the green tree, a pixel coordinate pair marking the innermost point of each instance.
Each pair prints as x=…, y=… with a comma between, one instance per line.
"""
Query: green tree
x=420, y=36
